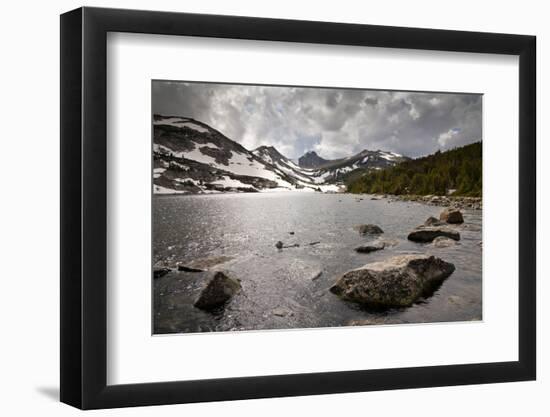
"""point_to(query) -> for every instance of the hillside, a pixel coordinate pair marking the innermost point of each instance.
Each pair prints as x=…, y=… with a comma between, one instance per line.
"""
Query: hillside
x=191, y=157
x=458, y=169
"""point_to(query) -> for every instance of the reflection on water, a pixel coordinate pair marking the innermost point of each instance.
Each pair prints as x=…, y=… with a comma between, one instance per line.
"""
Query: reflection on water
x=283, y=288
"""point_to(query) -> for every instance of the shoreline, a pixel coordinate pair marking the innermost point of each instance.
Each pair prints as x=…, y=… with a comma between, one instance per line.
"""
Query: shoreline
x=459, y=202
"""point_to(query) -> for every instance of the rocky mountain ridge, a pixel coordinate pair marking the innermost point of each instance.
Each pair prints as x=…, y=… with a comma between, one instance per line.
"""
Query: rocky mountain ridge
x=191, y=157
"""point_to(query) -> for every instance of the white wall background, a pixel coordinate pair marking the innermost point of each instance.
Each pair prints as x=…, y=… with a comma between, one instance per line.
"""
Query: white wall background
x=29, y=213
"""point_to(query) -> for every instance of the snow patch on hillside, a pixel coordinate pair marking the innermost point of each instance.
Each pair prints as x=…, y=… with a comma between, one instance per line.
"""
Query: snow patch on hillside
x=229, y=182
x=180, y=122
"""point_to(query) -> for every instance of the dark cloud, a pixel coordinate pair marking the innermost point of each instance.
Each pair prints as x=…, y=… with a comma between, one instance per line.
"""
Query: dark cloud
x=333, y=122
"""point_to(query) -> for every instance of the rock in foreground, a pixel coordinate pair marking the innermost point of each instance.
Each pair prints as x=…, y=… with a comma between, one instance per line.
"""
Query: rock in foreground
x=217, y=292
x=451, y=215
x=426, y=234
x=369, y=229
x=396, y=282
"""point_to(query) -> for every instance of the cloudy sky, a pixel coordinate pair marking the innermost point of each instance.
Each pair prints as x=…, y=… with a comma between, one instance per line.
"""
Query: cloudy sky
x=333, y=122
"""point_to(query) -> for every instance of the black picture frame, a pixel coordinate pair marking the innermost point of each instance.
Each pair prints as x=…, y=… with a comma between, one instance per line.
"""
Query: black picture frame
x=84, y=207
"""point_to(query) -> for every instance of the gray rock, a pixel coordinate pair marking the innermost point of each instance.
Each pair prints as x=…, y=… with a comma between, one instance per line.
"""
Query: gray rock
x=451, y=215
x=281, y=312
x=370, y=248
x=185, y=268
x=396, y=282
x=316, y=275
x=443, y=242
x=426, y=234
x=160, y=272
x=369, y=229
x=388, y=243
x=208, y=263
x=432, y=221
x=219, y=290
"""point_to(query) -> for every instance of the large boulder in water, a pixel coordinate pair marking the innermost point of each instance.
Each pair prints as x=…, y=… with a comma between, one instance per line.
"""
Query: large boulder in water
x=426, y=234
x=369, y=229
x=219, y=290
x=396, y=282
x=451, y=215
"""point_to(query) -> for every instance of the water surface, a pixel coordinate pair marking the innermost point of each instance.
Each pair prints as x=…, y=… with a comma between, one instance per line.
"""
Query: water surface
x=277, y=286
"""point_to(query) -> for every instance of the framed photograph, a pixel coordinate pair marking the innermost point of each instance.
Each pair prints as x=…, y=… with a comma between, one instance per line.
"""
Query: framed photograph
x=256, y=208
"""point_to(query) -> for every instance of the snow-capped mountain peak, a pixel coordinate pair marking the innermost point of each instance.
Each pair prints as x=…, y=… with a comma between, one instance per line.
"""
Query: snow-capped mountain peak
x=192, y=157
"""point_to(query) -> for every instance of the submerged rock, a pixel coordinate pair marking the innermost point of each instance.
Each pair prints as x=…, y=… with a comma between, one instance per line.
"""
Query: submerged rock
x=160, y=272
x=294, y=245
x=370, y=248
x=451, y=215
x=432, y=221
x=388, y=243
x=396, y=282
x=185, y=268
x=207, y=263
x=281, y=312
x=426, y=234
x=316, y=275
x=369, y=229
x=219, y=290
x=443, y=242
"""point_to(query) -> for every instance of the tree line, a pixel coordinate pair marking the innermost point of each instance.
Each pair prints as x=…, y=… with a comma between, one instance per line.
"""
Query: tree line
x=457, y=170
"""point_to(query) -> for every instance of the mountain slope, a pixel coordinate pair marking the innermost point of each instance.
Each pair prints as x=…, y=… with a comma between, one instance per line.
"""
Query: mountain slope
x=457, y=170
x=191, y=157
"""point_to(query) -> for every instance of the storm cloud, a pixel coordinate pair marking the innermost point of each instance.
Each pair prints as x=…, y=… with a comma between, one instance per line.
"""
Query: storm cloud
x=333, y=122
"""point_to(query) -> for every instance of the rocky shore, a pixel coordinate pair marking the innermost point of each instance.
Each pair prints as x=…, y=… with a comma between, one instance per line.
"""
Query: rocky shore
x=458, y=202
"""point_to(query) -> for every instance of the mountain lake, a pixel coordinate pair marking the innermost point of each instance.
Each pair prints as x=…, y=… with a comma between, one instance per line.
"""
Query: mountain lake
x=289, y=288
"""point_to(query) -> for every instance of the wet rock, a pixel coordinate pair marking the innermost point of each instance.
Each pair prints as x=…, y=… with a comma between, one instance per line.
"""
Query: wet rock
x=425, y=234
x=207, y=263
x=443, y=242
x=388, y=243
x=185, y=268
x=370, y=248
x=316, y=275
x=279, y=245
x=281, y=312
x=451, y=215
x=432, y=221
x=160, y=272
x=369, y=229
x=294, y=245
x=219, y=290
x=395, y=282
x=455, y=299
